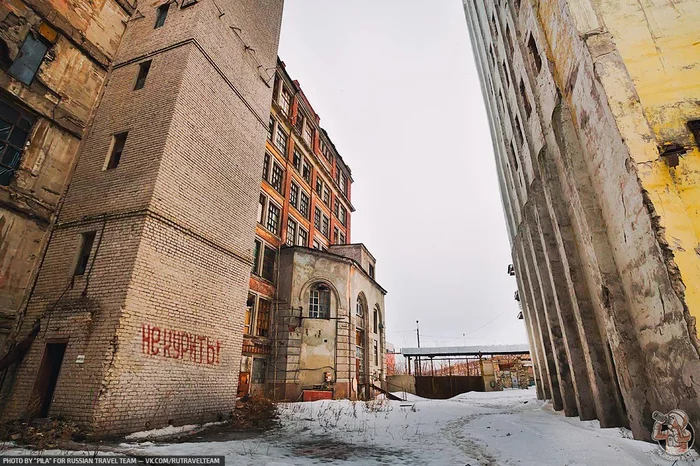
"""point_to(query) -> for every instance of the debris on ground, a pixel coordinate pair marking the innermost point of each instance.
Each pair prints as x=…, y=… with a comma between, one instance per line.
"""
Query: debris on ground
x=40, y=433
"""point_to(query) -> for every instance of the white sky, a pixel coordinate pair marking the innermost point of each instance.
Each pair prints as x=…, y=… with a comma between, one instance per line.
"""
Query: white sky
x=395, y=85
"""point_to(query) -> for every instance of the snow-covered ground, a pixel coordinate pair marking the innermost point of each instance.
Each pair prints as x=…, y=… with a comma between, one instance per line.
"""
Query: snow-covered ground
x=509, y=427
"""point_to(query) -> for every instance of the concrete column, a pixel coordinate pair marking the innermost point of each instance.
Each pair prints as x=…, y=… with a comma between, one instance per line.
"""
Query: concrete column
x=540, y=328
x=561, y=359
x=563, y=307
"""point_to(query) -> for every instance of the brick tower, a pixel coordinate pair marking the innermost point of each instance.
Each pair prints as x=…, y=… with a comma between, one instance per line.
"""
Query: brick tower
x=142, y=292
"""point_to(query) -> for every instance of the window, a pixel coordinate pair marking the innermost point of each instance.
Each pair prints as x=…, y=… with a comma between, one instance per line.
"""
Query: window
x=526, y=102
x=319, y=186
x=325, y=226
x=317, y=245
x=317, y=218
x=291, y=231
x=28, y=60
x=343, y=183
x=336, y=234
x=341, y=238
x=259, y=370
x=505, y=73
x=270, y=128
x=326, y=196
x=262, y=323
x=371, y=271
x=518, y=131
x=161, y=14
x=534, y=51
x=324, y=149
x=249, y=313
x=299, y=122
x=309, y=134
x=513, y=155
x=15, y=125
x=268, y=265
x=261, y=208
x=285, y=101
x=294, y=195
x=320, y=301
x=493, y=57
x=281, y=139
x=376, y=353
x=304, y=204
x=277, y=179
x=360, y=351
x=306, y=173
x=144, y=67
x=303, y=239
x=266, y=167
x=86, y=241
x=375, y=320
x=256, y=256
x=359, y=310
x=297, y=160
x=273, y=218
x=116, y=149
x=336, y=208
x=493, y=23
x=343, y=215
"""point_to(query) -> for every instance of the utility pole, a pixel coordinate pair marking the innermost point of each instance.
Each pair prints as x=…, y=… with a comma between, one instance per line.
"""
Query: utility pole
x=418, y=334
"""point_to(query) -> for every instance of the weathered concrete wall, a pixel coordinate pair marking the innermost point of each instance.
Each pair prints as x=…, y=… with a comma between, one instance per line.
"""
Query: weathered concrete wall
x=604, y=230
x=82, y=39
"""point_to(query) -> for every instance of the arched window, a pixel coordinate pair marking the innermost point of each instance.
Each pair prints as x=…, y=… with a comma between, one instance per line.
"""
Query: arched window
x=320, y=301
x=360, y=307
x=377, y=320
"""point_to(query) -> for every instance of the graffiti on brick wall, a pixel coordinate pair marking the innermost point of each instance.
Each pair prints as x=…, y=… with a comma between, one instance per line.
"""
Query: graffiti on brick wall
x=176, y=344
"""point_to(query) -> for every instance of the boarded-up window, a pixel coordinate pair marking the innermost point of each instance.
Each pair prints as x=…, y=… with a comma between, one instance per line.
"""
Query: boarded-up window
x=28, y=59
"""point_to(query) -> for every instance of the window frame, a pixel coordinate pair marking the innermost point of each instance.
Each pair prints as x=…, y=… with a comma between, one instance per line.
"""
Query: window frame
x=271, y=207
x=82, y=258
x=19, y=121
x=161, y=15
x=316, y=304
x=114, y=156
x=142, y=75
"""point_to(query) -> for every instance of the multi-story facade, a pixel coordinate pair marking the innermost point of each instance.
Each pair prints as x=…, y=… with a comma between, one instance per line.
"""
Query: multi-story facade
x=139, y=300
x=595, y=122
x=305, y=202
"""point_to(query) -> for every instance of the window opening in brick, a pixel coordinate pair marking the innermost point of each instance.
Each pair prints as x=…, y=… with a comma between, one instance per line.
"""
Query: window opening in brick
x=304, y=204
x=277, y=178
x=266, y=167
x=285, y=101
x=144, y=68
x=291, y=232
x=281, y=139
x=261, y=208
x=294, y=195
x=324, y=226
x=47, y=378
x=306, y=173
x=534, y=51
x=87, y=239
x=273, y=218
x=268, y=265
x=317, y=218
x=270, y=128
x=15, y=126
x=161, y=14
x=320, y=301
x=297, y=160
x=303, y=238
x=256, y=256
x=117, y=147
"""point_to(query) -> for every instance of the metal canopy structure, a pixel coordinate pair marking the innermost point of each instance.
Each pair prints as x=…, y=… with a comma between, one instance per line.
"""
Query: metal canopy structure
x=466, y=350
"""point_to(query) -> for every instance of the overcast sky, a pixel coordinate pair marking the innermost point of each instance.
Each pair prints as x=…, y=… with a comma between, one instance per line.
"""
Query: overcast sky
x=395, y=85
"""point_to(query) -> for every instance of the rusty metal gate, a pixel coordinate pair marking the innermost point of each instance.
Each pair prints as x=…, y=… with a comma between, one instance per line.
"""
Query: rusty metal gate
x=443, y=387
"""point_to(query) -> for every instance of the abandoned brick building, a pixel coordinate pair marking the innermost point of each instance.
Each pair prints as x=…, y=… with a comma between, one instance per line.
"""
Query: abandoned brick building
x=128, y=288
x=314, y=312
x=595, y=119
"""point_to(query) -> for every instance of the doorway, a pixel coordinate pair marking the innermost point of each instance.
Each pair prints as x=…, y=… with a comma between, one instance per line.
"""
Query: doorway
x=46, y=379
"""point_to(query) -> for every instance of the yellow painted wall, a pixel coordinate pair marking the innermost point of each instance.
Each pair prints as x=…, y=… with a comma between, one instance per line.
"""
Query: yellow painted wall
x=659, y=41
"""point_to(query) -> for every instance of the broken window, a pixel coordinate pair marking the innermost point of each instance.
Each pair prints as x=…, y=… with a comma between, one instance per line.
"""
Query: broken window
x=317, y=218
x=277, y=178
x=291, y=231
x=285, y=101
x=299, y=123
x=144, y=67
x=262, y=323
x=294, y=195
x=259, y=370
x=87, y=239
x=249, y=313
x=281, y=139
x=297, y=160
x=261, y=208
x=304, y=204
x=256, y=256
x=116, y=149
x=320, y=301
x=303, y=239
x=161, y=14
x=273, y=218
x=526, y=102
x=268, y=264
x=306, y=173
x=29, y=58
x=534, y=51
x=15, y=126
x=266, y=167
x=694, y=127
